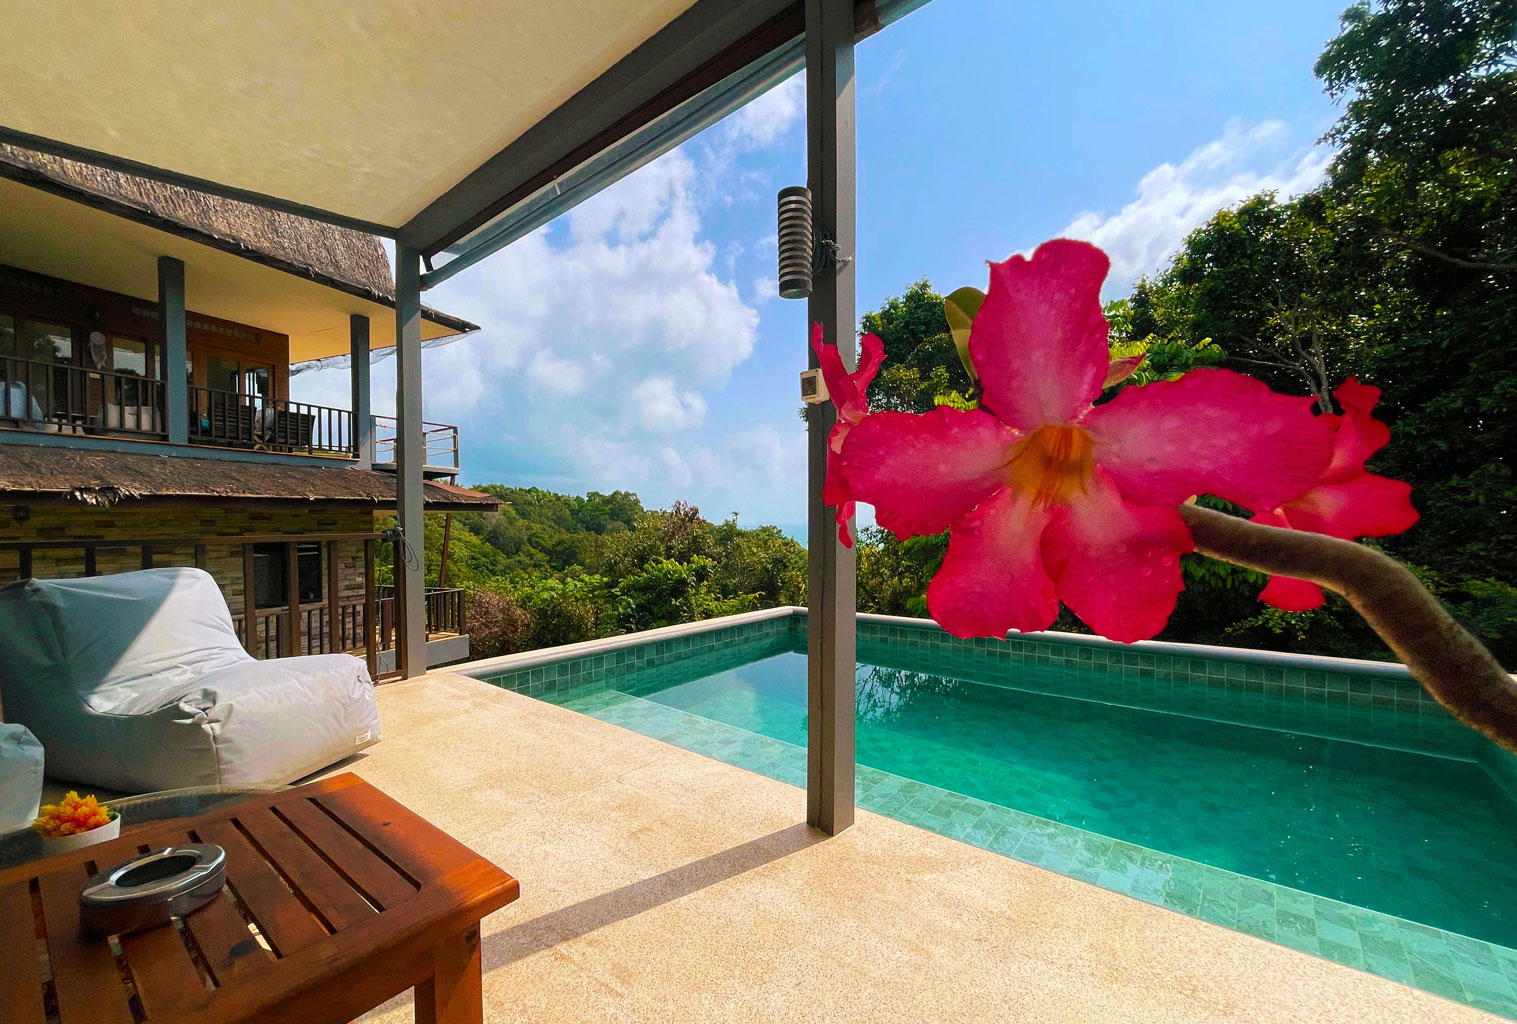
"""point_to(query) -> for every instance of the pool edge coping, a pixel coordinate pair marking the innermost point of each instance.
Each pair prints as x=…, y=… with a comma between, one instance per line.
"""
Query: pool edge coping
x=1211, y=652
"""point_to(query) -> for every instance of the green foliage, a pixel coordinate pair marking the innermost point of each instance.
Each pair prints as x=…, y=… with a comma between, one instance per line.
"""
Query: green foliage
x=921, y=359
x=553, y=568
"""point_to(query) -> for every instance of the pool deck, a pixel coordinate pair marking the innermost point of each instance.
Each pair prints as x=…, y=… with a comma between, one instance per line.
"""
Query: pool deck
x=661, y=885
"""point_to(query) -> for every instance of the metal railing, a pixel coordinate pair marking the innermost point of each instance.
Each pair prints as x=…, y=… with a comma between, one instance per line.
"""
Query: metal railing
x=58, y=398
x=439, y=443
x=447, y=612
x=229, y=419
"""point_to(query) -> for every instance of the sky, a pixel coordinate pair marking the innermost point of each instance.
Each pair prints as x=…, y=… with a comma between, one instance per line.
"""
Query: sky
x=638, y=342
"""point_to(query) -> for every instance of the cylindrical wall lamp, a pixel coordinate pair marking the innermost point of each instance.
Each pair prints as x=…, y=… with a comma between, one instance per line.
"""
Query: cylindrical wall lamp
x=797, y=242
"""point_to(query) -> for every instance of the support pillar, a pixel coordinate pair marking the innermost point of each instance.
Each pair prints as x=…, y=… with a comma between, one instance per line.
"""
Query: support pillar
x=171, y=342
x=831, y=597
x=363, y=418
x=410, y=559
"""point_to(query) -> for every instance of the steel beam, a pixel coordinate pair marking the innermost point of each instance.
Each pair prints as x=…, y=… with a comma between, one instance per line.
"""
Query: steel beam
x=410, y=560
x=171, y=342
x=831, y=598
x=707, y=42
x=358, y=370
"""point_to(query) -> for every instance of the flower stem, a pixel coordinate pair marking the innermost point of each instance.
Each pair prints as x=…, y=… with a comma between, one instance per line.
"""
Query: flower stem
x=1450, y=664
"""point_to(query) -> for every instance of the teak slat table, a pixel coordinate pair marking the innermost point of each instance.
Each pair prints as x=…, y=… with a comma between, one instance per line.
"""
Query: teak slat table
x=337, y=899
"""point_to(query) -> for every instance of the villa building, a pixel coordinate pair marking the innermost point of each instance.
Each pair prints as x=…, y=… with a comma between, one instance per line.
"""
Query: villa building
x=148, y=333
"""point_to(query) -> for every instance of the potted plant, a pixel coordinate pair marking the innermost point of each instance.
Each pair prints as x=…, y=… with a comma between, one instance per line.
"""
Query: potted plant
x=75, y=822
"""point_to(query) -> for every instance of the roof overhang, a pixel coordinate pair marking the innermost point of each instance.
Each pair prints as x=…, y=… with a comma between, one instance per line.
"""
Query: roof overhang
x=49, y=473
x=114, y=248
x=451, y=127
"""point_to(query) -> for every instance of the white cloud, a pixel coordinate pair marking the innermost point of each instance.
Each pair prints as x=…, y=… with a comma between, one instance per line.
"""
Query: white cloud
x=606, y=337
x=660, y=408
x=763, y=121
x=1175, y=199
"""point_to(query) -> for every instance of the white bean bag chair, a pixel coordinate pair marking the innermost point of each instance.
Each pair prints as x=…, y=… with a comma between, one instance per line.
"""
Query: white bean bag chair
x=137, y=682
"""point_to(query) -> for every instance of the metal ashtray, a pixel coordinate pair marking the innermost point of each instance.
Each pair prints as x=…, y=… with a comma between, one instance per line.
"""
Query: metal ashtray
x=148, y=890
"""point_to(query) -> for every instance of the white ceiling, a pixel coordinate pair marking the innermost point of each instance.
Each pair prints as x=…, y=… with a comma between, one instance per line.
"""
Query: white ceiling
x=51, y=235
x=365, y=108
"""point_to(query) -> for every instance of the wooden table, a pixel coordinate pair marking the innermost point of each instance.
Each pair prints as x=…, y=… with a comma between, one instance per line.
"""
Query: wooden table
x=337, y=899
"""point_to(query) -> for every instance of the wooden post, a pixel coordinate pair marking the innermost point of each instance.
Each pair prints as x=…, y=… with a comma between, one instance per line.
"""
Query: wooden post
x=410, y=554
x=830, y=654
x=358, y=372
x=291, y=649
x=147, y=556
x=202, y=557
x=172, y=342
x=447, y=535
x=249, y=602
x=334, y=602
x=370, y=611
x=91, y=566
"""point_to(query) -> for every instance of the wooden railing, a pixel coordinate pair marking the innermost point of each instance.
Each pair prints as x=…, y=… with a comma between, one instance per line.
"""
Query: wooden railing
x=272, y=424
x=447, y=612
x=439, y=443
x=55, y=398
x=264, y=632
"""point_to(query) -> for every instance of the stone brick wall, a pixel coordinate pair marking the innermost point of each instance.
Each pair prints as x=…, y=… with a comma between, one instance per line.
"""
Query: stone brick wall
x=130, y=521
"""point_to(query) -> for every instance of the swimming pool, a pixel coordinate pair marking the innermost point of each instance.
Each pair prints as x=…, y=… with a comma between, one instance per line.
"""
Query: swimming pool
x=1349, y=818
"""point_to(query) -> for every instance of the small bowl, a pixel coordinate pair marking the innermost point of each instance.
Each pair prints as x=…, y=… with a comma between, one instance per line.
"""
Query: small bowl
x=52, y=845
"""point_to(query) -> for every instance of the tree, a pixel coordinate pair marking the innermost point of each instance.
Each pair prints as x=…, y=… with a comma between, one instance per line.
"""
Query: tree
x=921, y=362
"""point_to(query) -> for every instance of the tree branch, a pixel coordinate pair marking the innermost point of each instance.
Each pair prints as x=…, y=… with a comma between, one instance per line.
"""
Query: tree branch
x=1438, y=254
x=1451, y=665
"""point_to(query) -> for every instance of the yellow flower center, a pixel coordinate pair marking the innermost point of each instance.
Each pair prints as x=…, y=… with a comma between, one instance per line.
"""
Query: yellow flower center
x=1052, y=464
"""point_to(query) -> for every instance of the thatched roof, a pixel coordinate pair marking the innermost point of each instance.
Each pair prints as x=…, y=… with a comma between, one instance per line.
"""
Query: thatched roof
x=35, y=472
x=340, y=258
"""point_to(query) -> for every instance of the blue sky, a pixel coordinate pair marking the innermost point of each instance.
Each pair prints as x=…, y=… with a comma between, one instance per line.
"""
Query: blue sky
x=637, y=342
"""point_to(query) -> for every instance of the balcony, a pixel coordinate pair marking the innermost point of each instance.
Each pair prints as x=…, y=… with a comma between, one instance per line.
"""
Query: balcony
x=57, y=398
x=439, y=445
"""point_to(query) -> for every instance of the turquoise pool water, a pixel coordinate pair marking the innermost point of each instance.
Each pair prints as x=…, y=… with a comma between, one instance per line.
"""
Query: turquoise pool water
x=1421, y=837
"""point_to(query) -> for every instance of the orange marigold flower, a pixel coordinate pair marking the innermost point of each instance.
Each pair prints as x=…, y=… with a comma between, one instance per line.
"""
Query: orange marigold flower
x=72, y=815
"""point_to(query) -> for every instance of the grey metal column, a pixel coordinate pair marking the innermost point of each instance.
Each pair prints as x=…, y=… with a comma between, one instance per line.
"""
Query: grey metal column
x=171, y=341
x=830, y=624
x=410, y=560
x=363, y=419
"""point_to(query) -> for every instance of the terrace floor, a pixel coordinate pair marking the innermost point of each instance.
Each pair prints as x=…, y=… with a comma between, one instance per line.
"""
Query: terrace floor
x=660, y=885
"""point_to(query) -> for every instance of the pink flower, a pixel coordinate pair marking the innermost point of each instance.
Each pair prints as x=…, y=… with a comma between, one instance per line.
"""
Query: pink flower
x=1047, y=497
x=1347, y=501
x=849, y=394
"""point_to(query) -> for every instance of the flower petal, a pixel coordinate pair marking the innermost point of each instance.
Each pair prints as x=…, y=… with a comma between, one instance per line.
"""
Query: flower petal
x=1121, y=369
x=836, y=492
x=1210, y=432
x=840, y=387
x=992, y=577
x=1292, y=595
x=1116, y=564
x=1039, y=340
x=1366, y=505
x=923, y=472
x=871, y=355
x=1359, y=434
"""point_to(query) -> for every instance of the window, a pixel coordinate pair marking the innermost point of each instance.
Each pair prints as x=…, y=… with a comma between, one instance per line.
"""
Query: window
x=128, y=355
x=255, y=381
x=221, y=373
x=269, y=574
x=46, y=343
x=7, y=335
